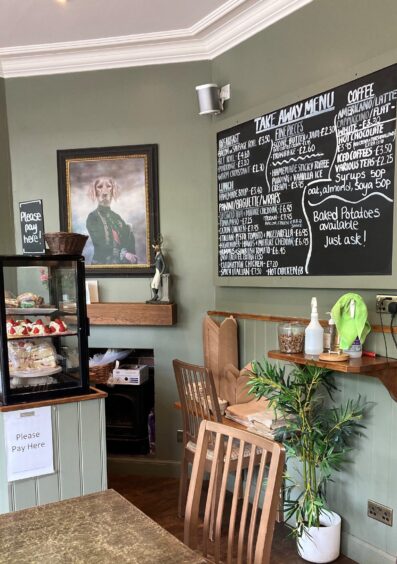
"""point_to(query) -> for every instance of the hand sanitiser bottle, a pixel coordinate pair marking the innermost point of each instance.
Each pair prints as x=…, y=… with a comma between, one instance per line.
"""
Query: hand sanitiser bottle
x=314, y=333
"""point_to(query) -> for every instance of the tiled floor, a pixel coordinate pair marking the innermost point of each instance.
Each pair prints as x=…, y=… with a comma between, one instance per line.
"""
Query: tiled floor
x=157, y=497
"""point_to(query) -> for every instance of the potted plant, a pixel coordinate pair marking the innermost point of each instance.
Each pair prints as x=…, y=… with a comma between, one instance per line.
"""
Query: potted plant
x=317, y=439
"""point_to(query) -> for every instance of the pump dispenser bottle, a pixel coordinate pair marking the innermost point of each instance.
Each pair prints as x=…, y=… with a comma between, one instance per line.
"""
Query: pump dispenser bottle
x=314, y=333
x=331, y=342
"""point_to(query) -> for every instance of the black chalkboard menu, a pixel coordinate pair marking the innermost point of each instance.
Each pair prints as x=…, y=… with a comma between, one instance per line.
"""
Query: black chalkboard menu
x=32, y=227
x=308, y=190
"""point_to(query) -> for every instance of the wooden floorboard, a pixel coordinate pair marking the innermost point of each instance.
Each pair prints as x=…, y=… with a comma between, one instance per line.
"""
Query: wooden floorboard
x=157, y=497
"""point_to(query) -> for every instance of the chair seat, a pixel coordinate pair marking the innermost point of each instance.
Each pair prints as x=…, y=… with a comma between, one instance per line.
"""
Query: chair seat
x=235, y=450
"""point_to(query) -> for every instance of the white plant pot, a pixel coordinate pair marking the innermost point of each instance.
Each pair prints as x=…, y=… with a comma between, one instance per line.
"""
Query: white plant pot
x=322, y=544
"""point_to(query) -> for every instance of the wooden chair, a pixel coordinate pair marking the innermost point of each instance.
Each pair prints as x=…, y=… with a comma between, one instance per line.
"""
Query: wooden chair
x=199, y=402
x=252, y=526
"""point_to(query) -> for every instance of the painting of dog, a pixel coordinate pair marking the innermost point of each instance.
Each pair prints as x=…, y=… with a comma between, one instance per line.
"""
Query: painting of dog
x=111, y=194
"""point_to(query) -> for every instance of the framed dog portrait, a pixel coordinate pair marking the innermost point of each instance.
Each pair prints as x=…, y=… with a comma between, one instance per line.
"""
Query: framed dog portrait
x=111, y=195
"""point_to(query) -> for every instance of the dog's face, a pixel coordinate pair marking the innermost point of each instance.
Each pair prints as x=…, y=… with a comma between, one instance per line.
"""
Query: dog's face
x=104, y=191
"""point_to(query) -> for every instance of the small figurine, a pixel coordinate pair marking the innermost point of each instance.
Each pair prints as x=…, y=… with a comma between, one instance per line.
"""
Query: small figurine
x=161, y=277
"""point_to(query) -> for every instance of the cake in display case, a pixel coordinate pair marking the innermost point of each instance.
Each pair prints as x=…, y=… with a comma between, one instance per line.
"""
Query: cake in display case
x=44, y=328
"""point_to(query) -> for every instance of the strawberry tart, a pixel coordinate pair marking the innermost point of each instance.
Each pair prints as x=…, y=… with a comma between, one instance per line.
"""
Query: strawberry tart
x=58, y=326
x=28, y=328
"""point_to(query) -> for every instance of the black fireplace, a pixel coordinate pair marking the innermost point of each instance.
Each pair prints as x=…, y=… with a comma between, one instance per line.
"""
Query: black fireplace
x=129, y=410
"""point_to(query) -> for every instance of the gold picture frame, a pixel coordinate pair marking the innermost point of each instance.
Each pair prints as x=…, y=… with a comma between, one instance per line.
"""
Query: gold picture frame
x=111, y=195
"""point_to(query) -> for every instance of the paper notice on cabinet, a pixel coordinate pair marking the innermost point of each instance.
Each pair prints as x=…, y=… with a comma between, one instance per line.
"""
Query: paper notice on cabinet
x=28, y=436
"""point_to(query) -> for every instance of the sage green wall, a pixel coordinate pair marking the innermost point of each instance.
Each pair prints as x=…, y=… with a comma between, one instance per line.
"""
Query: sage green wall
x=127, y=107
x=325, y=43
x=322, y=45
x=6, y=216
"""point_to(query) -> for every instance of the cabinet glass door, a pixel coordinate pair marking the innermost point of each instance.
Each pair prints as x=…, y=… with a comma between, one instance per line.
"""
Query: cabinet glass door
x=44, y=328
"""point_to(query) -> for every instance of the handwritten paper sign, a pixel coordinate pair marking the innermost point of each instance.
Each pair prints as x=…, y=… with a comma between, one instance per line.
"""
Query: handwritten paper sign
x=28, y=435
x=32, y=227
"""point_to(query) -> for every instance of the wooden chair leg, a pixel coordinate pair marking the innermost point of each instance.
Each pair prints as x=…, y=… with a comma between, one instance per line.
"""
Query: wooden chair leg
x=183, y=487
x=280, y=511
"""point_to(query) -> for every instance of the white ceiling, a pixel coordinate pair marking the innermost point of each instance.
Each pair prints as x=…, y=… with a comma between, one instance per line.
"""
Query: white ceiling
x=33, y=22
x=47, y=37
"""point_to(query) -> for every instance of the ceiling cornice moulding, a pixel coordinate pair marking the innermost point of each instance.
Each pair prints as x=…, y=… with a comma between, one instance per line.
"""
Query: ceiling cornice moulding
x=232, y=23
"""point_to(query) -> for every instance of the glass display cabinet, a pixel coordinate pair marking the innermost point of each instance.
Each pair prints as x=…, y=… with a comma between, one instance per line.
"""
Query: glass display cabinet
x=43, y=327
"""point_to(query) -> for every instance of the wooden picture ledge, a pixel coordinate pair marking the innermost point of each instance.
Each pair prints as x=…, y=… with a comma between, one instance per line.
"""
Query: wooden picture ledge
x=126, y=313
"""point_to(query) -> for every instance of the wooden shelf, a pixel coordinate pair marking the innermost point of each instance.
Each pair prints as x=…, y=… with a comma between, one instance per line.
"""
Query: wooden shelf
x=379, y=367
x=121, y=313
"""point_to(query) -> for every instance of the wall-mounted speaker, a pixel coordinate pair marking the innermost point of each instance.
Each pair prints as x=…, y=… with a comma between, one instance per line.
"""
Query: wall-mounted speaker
x=209, y=99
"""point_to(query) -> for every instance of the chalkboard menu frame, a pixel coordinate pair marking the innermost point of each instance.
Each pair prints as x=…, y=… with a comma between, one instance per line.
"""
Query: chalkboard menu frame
x=383, y=275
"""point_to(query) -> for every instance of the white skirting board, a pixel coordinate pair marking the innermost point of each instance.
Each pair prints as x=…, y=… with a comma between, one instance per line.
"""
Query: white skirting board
x=364, y=553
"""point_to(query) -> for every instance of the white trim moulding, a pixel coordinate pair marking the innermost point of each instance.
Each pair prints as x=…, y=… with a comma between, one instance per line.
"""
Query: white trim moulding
x=232, y=23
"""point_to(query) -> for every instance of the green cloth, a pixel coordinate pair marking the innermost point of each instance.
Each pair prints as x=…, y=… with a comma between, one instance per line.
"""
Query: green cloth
x=350, y=328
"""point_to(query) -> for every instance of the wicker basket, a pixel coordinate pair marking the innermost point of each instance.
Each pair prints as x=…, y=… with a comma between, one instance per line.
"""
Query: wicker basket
x=100, y=374
x=62, y=243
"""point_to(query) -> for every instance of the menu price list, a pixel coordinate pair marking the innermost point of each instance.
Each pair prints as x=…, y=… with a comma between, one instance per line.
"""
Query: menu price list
x=309, y=189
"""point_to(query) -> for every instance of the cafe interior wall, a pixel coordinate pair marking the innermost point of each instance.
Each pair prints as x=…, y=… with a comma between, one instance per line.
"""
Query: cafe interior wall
x=324, y=44
x=156, y=104
x=320, y=46
x=7, y=244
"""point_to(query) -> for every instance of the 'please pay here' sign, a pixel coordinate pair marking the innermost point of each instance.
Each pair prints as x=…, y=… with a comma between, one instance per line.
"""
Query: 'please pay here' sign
x=28, y=435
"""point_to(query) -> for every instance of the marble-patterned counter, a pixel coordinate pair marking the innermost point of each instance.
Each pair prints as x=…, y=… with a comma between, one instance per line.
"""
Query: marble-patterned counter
x=99, y=528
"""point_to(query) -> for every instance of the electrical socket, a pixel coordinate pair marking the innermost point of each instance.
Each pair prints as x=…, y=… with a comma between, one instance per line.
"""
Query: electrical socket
x=380, y=512
x=383, y=301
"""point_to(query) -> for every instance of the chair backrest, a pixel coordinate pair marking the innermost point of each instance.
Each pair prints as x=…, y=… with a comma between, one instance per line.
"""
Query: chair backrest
x=249, y=525
x=220, y=344
x=198, y=397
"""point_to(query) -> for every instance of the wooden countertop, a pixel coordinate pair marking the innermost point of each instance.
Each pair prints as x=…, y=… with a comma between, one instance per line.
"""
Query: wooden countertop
x=94, y=393
x=99, y=528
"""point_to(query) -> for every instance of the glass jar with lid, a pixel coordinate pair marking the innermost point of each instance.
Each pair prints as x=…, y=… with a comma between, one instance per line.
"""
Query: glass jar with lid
x=291, y=337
